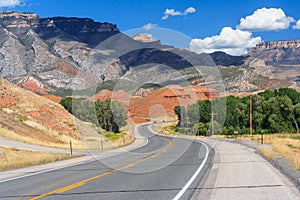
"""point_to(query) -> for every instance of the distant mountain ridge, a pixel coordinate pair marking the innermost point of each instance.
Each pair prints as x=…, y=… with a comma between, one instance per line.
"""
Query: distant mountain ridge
x=59, y=53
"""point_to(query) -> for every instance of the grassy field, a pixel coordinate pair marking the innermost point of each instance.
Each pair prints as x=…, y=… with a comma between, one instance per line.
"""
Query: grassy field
x=11, y=158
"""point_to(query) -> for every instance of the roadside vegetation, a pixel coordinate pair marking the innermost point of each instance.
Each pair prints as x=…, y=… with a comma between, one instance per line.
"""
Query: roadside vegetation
x=58, y=139
x=11, y=158
x=109, y=115
x=286, y=145
x=273, y=112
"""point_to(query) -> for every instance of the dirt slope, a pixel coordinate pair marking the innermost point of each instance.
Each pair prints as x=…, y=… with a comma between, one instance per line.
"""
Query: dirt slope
x=24, y=114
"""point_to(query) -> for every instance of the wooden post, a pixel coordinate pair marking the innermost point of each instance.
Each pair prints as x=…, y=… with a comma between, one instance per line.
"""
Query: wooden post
x=101, y=144
x=124, y=140
x=262, y=137
x=212, y=123
x=251, y=115
x=71, y=150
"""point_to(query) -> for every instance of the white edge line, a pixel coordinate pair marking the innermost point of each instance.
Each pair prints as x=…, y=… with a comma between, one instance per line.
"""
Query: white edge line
x=94, y=158
x=187, y=185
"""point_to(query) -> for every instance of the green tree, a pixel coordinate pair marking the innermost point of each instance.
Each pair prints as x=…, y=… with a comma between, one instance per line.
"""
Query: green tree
x=67, y=104
x=180, y=111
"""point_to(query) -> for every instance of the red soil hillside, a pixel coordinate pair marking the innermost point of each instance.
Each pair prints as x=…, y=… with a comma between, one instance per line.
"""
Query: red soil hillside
x=53, y=98
x=158, y=103
x=33, y=116
x=161, y=102
x=32, y=85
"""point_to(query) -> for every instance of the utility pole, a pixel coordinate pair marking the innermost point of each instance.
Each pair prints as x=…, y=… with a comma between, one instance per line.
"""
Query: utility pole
x=212, y=123
x=251, y=114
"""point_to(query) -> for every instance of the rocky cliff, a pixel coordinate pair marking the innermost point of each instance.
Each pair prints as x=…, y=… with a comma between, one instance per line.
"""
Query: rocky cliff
x=54, y=51
x=282, y=57
x=277, y=44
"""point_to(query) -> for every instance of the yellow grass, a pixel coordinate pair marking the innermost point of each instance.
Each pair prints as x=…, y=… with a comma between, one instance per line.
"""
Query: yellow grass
x=268, y=153
x=62, y=140
x=11, y=158
x=287, y=145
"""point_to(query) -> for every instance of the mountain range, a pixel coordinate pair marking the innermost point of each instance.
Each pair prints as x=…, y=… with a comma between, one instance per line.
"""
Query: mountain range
x=47, y=55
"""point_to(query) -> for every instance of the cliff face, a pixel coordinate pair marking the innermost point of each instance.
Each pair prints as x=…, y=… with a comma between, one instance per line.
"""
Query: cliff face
x=277, y=44
x=277, y=52
x=282, y=57
x=55, y=51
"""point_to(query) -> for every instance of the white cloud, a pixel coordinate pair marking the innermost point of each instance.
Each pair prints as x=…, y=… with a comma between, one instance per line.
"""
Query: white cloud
x=149, y=26
x=266, y=19
x=172, y=12
x=9, y=3
x=189, y=10
x=233, y=42
x=297, y=25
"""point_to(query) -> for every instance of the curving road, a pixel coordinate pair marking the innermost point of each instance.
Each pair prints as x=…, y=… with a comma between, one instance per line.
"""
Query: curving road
x=164, y=168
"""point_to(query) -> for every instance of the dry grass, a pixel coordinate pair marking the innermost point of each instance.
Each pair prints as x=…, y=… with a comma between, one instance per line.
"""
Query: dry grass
x=100, y=139
x=287, y=145
x=166, y=128
x=62, y=140
x=268, y=153
x=11, y=158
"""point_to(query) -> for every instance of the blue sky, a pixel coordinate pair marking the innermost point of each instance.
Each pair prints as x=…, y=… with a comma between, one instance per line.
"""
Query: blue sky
x=200, y=20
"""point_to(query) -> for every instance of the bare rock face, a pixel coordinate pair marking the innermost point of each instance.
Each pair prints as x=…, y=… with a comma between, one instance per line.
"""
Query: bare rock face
x=282, y=59
x=57, y=51
x=278, y=44
x=277, y=52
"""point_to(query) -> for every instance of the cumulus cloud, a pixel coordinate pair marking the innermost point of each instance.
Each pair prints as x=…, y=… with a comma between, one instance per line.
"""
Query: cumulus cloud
x=233, y=42
x=266, y=19
x=172, y=12
x=9, y=3
x=297, y=25
x=149, y=26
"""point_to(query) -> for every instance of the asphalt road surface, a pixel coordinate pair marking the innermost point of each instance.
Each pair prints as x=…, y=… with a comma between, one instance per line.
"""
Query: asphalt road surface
x=164, y=168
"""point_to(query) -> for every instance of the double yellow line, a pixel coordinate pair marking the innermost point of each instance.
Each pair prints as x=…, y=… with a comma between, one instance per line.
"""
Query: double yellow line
x=80, y=183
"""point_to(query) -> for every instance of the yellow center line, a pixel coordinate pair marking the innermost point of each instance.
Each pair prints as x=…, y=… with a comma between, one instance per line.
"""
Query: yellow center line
x=80, y=183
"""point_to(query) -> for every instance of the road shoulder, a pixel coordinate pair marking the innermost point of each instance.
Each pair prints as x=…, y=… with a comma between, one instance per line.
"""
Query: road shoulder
x=240, y=173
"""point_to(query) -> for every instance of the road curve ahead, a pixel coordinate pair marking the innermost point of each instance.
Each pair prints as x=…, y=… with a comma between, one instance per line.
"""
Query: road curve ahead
x=164, y=168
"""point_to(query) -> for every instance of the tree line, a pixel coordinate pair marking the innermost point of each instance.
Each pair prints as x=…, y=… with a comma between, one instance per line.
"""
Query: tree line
x=109, y=115
x=275, y=111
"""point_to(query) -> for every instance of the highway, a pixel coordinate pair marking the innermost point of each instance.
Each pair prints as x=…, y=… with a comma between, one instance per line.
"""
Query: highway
x=163, y=168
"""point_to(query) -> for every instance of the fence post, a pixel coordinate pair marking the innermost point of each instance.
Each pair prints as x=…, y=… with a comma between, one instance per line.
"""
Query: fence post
x=71, y=150
x=101, y=144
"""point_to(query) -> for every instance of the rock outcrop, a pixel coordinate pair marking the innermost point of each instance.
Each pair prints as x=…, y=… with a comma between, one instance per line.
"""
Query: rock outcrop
x=282, y=59
x=277, y=44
